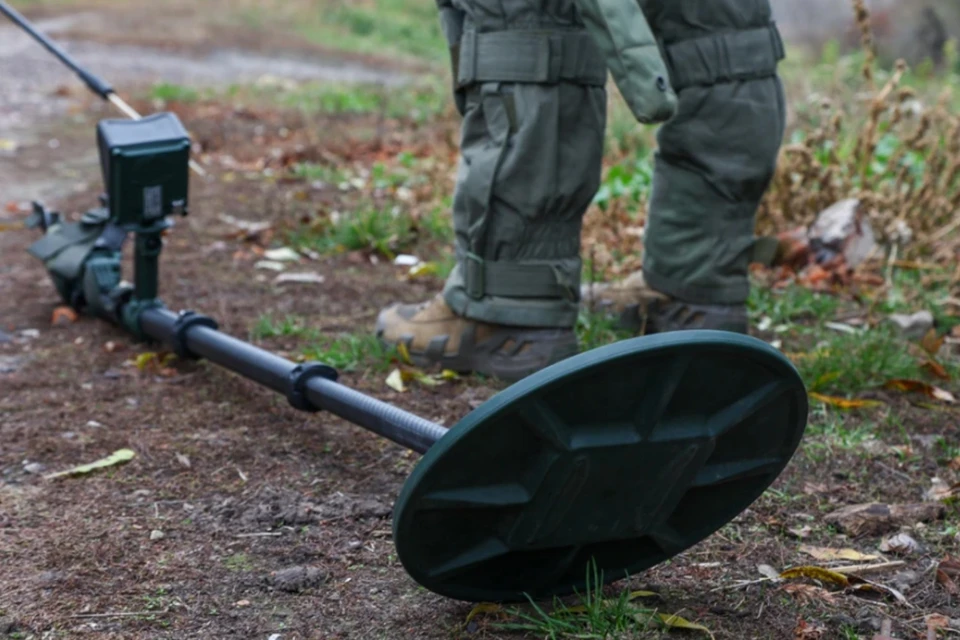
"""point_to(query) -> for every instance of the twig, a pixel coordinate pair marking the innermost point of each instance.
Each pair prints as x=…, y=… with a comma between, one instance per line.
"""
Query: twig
x=120, y=614
x=868, y=568
x=263, y=534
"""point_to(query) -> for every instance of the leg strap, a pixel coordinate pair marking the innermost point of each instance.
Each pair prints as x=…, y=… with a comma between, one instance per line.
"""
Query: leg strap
x=516, y=280
x=536, y=57
x=726, y=57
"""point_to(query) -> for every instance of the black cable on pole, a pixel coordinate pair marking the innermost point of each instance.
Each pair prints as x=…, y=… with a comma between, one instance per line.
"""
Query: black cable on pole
x=96, y=84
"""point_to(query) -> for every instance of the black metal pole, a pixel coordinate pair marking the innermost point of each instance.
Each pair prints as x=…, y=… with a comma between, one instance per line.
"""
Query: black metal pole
x=97, y=85
x=276, y=373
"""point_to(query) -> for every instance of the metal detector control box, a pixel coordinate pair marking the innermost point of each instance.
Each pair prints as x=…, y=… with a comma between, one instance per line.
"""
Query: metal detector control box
x=145, y=166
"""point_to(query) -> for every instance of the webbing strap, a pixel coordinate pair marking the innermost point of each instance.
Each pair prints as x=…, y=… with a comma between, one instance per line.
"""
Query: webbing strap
x=725, y=57
x=765, y=250
x=515, y=280
x=537, y=57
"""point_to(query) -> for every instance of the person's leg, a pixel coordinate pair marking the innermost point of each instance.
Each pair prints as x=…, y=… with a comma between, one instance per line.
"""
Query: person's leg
x=715, y=160
x=531, y=89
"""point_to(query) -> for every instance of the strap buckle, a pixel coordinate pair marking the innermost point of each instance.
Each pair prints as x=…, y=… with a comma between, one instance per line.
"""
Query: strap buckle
x=474, y=275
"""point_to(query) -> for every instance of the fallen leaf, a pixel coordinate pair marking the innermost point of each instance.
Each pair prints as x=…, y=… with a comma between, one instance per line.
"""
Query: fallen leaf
x=900, y=544
x=423, y=269
x=118, y=457
x=808, y=593
x=937, y=621
x=768, y=572
x=843, y=403
x=829, y=554
x=935, y=369
x=807, y=631
x=283, y=254
x=63, y=315
x=948, y=573
x=269, y=265
x=915, y=386
x=404, y=353
x=824, y=379
x=483, y=608
x=395, y=381
x=299, y=278
x=816, y=573
x=931, y=342
x=872, y=587
x=802, y=533
x=955, y=464
x=940, y=490
x=676, y=622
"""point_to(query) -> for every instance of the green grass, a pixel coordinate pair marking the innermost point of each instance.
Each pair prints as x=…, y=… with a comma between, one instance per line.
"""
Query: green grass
x=597, y=329
x=383, y=28
x=350, y=352
x=174, y=93
x=268, y=326
x=238, y=562
x=419, y=102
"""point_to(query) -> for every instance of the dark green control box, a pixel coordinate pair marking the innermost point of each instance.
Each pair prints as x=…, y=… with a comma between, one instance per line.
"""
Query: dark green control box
x=145, y=166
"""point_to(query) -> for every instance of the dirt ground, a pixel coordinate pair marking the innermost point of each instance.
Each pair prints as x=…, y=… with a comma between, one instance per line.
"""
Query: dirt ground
x=242, y=518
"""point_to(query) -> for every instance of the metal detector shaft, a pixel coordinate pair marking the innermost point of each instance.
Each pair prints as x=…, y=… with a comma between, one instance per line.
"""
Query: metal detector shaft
x=93, y=82
x=275, y=373
x=97, y=85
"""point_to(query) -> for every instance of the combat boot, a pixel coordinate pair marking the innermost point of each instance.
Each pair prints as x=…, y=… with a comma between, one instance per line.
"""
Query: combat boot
x=641, y=309
x=434, y=335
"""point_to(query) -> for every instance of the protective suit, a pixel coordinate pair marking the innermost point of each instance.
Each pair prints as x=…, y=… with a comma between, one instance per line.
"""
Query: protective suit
x=529, y=81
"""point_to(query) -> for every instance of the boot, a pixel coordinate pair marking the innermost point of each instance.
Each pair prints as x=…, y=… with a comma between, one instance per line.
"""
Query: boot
x=434, y=335
x=641, y=309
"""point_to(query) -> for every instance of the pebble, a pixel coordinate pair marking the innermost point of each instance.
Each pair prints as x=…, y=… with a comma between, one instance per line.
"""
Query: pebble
x=156, y=534
x=34, y=467
x=914, y=326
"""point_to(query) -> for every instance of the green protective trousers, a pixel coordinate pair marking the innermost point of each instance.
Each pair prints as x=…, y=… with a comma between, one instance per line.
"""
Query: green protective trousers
x=529, y=81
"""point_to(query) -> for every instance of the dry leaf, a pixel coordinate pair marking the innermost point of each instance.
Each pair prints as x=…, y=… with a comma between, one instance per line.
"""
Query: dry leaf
x=807, y=631
x=395, y=381
x=816, y=573
x=404, y=353
x=876, y=519
x=940, y=490
x=915, y=386
x=63, y=315
x=118, y=457
x=483, y=608
x=829, y=554
x=768, y=572
x=900, y=544
x=937, y=621
x=935, y=369
x=955, y=464
x=931, y=342
x=676, y=622
x=824, y=379
x=808, y=593
x=843, y=403
x=802, y=533
x=948, y=574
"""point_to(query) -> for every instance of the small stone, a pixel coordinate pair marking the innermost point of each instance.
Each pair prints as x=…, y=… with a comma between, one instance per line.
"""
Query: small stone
x=156, y=534
x=900, y=544
x=904, y=580
x=34, y=467
x=93, y=424
x=9, y=364
x=914, y=326
x=30, y=333
x=296, y=579
x=842, y=229
x=243, y=603
x=69, y=435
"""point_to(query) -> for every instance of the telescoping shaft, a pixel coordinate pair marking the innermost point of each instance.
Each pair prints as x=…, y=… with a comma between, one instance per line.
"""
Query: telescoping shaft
x=93, y=82
x=279, y=374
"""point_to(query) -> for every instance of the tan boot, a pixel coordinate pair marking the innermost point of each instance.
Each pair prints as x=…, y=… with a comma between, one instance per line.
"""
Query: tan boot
x=640, y=308
x=434, y=335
